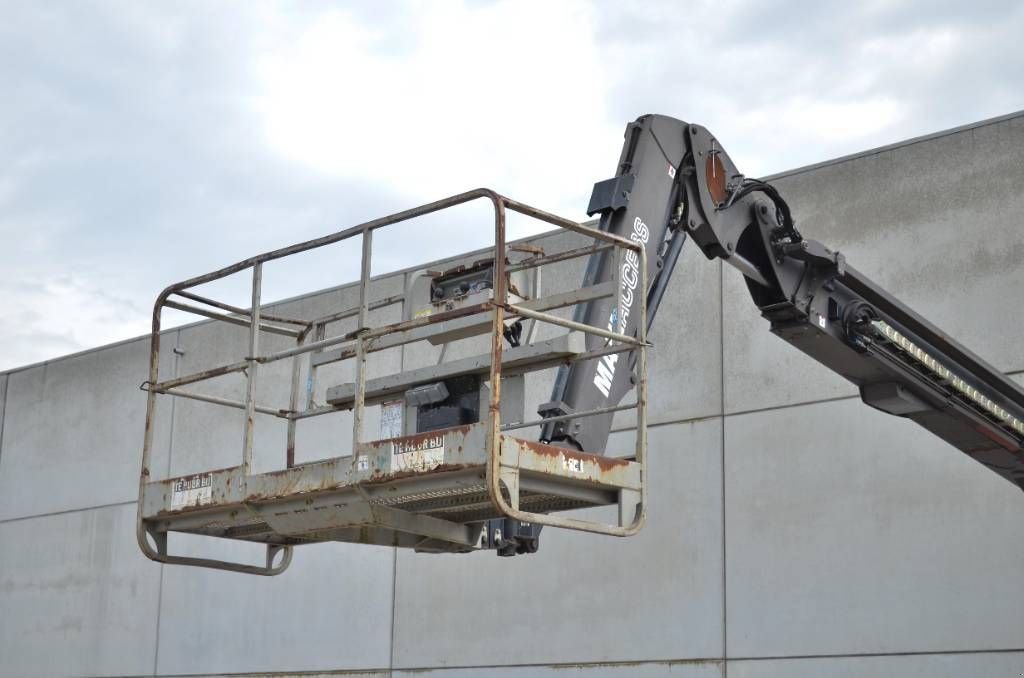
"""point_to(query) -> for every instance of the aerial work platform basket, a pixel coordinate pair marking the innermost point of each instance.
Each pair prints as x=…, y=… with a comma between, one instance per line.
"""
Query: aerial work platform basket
x=431, y=490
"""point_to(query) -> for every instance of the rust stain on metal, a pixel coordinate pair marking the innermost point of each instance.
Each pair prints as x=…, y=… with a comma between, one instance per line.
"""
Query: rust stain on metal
x=297, y=469
x=291, y=479
x=290, y=492
x=162, y=387
x=291, y=482
x=421, y=321
x=168, y=482
x=604, y=463
x=527, y=248
x=477, y=265
x=419, y=437
x=378, y=478
x=146, y=433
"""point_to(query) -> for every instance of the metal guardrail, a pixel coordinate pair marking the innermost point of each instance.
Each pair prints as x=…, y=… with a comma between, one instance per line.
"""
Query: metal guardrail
x=365, y=339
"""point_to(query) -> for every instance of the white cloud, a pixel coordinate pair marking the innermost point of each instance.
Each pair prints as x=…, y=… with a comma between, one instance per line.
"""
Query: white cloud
x=814, y=121
x=144, y=143
x=495, y=94
x=44, y=316
x=927, y=48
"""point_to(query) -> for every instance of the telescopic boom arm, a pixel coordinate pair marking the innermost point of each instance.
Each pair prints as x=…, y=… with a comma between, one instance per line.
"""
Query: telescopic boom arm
x=674, y=180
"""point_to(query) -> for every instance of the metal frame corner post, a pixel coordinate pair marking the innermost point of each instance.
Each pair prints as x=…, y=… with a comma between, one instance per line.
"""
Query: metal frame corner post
x=494, y=406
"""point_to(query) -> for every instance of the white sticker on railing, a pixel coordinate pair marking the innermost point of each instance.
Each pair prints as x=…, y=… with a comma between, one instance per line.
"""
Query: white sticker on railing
x=572, y=464
x=424, y=454
x=192, y=491
x=391, y=419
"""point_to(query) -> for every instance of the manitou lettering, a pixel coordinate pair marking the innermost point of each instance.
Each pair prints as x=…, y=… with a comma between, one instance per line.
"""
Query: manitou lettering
x=605, y=374
x=630, y=276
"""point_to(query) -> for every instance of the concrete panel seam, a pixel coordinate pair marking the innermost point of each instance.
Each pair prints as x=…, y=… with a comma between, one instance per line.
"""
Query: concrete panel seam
x=427, y=670
x=394, y=551
x=159, y=602
x=394, y=606
x=3, y=415
x=855, y=655
x=250, y=674
x=700, y=661
x=786, y=406
x=725, y=570
x=80, y=509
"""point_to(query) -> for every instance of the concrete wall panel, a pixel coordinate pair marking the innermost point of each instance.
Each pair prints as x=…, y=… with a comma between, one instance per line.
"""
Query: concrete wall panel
x=330, y=610
x=73, y=431
x=850, y=531
x=982, y=665
x=77, y=597
x=583, y=597
x=685, y=366
x=936, y=223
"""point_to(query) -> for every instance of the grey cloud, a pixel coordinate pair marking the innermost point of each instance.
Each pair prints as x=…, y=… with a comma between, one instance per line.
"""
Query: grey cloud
x=131, y=160
x=131, y=156
x=704, y=62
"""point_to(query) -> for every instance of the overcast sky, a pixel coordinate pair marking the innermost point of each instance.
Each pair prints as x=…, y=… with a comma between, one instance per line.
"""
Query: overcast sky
x=143, y=143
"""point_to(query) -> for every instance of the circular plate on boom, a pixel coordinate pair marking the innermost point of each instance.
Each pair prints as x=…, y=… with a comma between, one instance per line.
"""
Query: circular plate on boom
x=714, y=175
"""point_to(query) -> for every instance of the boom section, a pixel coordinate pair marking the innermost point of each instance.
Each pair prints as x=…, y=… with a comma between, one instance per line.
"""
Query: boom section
x=902, y=364
x=642, y=202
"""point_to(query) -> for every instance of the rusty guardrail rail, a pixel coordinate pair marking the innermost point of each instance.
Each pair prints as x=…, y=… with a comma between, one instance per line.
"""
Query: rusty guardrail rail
x=509, y=462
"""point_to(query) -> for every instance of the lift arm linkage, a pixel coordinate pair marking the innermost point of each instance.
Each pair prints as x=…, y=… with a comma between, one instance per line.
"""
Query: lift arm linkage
x=675, y=180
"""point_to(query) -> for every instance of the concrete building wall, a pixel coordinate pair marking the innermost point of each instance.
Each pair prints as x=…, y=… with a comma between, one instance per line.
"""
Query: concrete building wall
x=792, y=531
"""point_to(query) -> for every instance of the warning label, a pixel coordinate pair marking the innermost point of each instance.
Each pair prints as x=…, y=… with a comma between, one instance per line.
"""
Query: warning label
x=192, y=491
x=422, y=455
x=391, y=418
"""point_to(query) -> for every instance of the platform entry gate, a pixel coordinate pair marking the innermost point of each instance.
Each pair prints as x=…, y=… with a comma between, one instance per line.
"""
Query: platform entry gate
x=432, y=490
